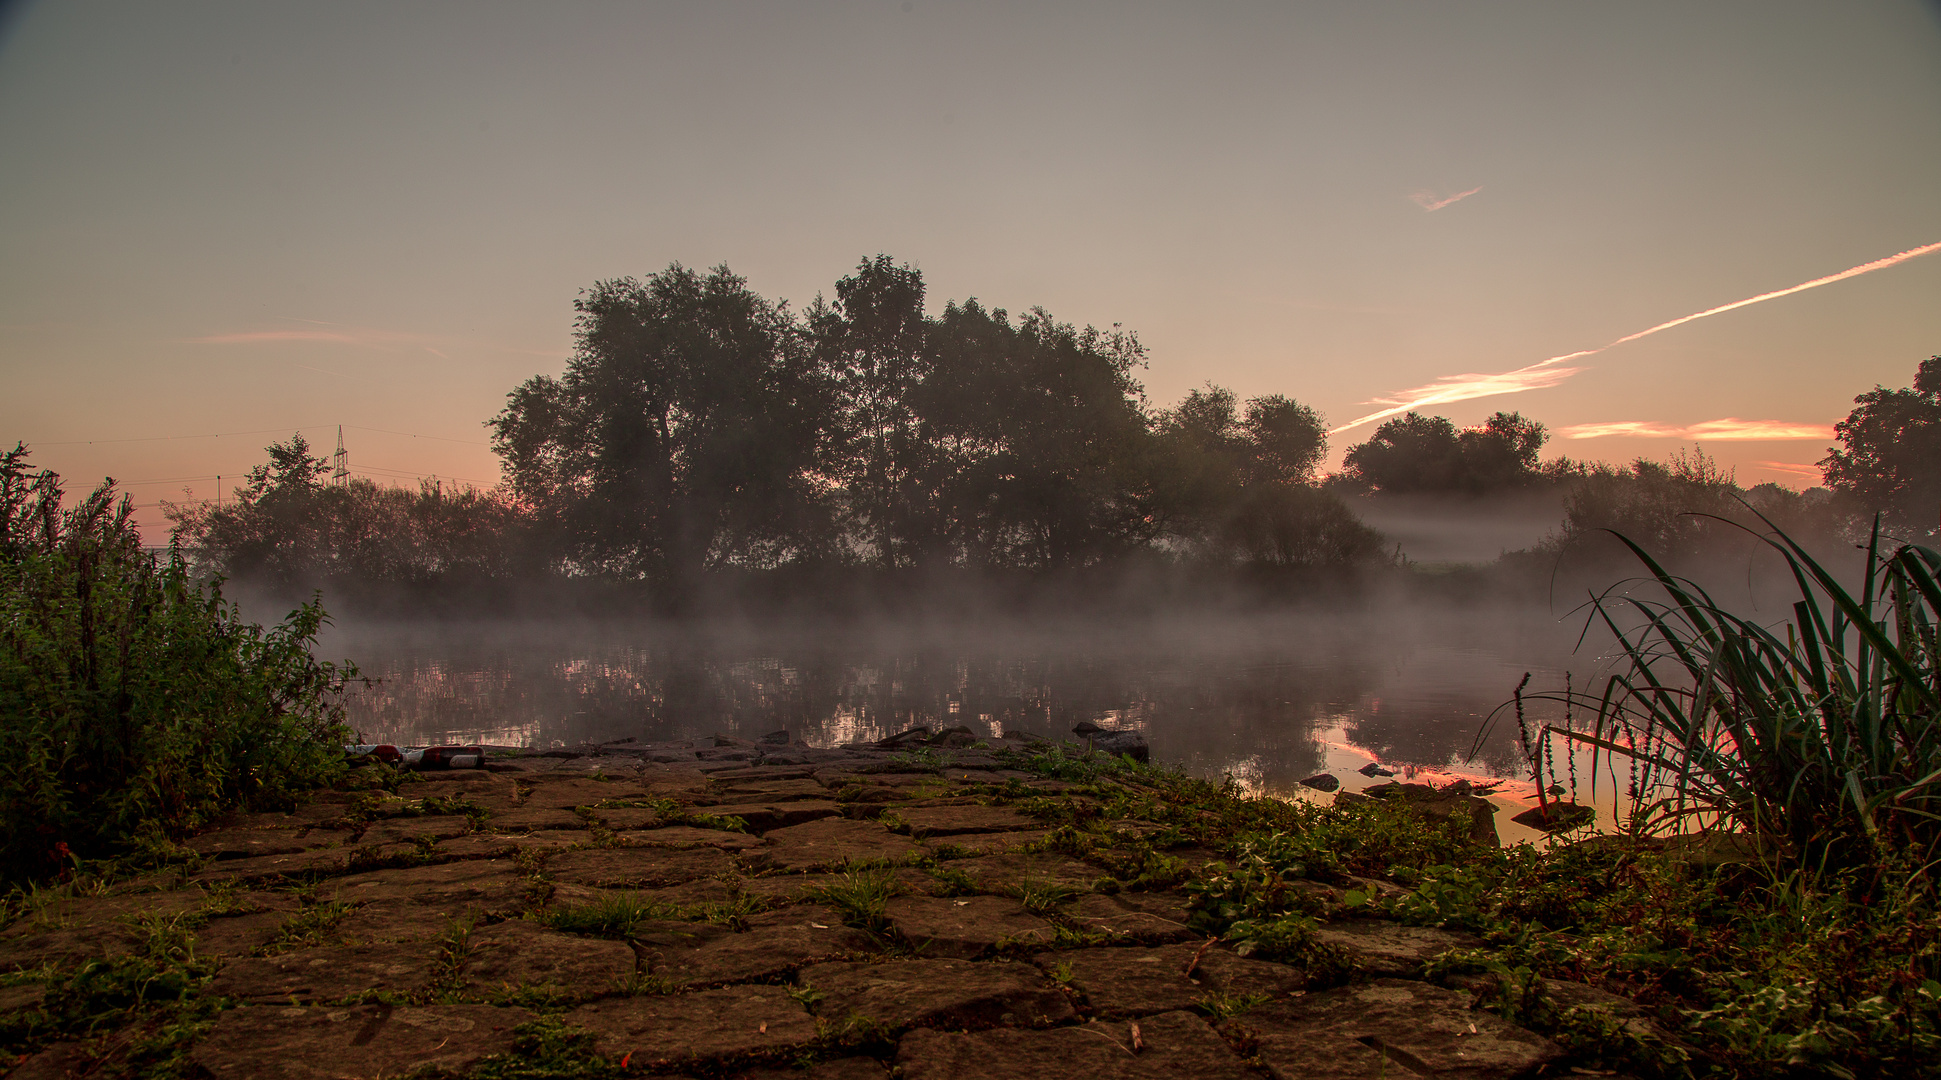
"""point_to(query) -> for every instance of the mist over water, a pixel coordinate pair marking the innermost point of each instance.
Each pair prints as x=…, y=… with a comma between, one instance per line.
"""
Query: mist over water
x=1268, y=699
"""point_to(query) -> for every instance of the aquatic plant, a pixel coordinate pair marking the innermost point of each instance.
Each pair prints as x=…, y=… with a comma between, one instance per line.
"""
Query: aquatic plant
x=1821, y=733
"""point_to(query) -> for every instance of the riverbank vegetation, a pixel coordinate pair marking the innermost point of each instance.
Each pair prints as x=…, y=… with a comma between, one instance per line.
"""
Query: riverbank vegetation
x=137, y=703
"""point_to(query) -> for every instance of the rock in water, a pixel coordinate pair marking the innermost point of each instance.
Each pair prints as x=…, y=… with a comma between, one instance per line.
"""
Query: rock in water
x=1117, y=743
x=776, y=738
x=1374, y=768
x=1557, y=817
x=1322, y=782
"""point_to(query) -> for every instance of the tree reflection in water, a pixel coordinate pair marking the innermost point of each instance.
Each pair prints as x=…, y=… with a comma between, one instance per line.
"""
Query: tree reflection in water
x=1256, y=698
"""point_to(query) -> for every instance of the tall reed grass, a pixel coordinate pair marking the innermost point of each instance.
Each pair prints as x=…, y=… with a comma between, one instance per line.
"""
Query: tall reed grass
x=135, y=703
x=1819, y=733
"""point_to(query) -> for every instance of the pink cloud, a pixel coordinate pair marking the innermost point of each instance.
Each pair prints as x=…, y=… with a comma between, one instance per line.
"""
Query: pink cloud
x=1729, y=429
x=1430, y=202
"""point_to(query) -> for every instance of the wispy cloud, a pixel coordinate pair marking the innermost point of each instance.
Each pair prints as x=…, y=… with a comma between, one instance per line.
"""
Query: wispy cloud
x=1431, y=202
x=1810, y=473
x=1545, y=373
x=359, y=337
x=1730, y=429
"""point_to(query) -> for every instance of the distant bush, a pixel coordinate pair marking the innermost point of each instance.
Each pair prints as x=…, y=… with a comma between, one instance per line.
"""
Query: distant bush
x=137, y=703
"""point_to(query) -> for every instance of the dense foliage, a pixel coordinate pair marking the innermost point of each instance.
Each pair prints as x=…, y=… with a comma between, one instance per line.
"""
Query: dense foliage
x=136, y=703
x=1890, y=455
x=1427, y=453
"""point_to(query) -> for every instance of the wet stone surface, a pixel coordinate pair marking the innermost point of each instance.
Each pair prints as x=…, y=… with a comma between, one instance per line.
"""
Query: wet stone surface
x=878, y=913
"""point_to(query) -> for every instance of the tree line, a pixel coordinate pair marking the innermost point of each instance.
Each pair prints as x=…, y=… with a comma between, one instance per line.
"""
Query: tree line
x=700, y=429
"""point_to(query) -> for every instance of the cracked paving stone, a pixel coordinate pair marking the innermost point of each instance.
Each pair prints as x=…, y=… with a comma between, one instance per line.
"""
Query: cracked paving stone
x=1391, y=949
x=316, y=861
x=965, y=927
x=1139, y=916
x=533, y=820
x=513, y=954
x=993, y=843
x=1131, y=981
x=938, y=993
x=954, y=820
x=776, y=942
x=239, y=843
x=997, y=871
x=620, y=818
x=408, y=830
x=638, y=867
x=1405, y=1028
x=689, y=836
x=1173, y=1046
x=265, y=1043
x=26, y=947
x=686, y=894
x=567, y=794
x=750, y=790
x=330, y=973
x=239, y=935
x=833, y=843
x=764, y=817
x=672, y=1029
x=479, y=885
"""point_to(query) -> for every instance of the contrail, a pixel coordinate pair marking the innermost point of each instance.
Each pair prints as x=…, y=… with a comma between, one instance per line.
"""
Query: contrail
x=1546, y=373
x=1430, y=201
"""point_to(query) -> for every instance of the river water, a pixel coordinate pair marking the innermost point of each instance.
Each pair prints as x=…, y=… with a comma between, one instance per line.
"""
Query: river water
x=1268, y=700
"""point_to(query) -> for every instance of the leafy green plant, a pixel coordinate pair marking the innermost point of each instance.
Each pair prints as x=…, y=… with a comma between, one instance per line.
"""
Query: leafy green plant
x=861, y=896
x=613, y=915
x=138, y=702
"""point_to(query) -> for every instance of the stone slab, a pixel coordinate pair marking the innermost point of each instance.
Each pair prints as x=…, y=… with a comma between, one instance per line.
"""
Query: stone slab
x=370, y=1041
x=689, y=836
x=775, y=943
x=765, y=816
x=993, y=843
x=507, y=956
x=1405, y=1028
x=1173, y=1046
x=629, y=817
x=555, y=792
x=954, y=820
x=530, y=820
x=1138, y=916
x=737, y=1022
x=1131, y=981
x=328, y=973
x=1378, y=948
x=834, y=842
x=488, y=885
x=249, y=842
x=766, y=789
x=633, y=868
x=411, y=830
x=965, y=927
x=937, y=993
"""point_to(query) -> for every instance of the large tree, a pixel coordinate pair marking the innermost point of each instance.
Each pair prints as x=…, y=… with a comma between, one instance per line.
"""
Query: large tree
x=1429, y=454
x=1890, y=454
x=1039, y=445
x=684, y=434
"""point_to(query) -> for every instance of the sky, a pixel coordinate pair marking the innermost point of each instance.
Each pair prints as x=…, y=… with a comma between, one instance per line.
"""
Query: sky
x=224, y=222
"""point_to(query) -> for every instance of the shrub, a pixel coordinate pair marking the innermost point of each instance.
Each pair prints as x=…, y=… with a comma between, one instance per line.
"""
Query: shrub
x=138, y=704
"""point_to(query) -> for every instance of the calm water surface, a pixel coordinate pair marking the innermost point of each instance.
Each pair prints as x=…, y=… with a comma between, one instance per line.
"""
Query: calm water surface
x=1266, y=700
